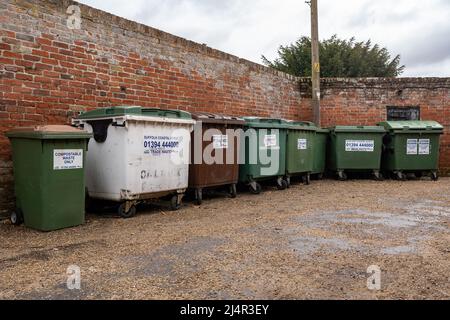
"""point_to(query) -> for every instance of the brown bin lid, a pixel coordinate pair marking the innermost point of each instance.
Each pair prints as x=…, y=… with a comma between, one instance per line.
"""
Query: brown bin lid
x=47, y=132
x=207, y=117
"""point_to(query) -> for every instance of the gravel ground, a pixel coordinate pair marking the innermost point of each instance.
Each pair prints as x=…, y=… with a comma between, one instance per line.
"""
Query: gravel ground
x=308, y=242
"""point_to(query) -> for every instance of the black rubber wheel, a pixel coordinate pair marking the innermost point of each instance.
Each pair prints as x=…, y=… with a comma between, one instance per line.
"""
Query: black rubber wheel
x=126, y=214
x=283, y=185
x=378, y=176
x=233, y=191
x=288, y=181
x=434, y=176
x=198, y=197
x=256, y=190
x=16, y=217
x=400, y=176
x=320, y=176
x=342, y=176
x=307, y=179
x=175, y=205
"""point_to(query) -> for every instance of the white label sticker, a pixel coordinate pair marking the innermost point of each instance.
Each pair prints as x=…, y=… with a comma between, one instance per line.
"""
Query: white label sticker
x=411, y=146
x=220, y=142
x=270, y=140
x=424, y=146
x=67, y=159
x=161, y=145
x=359, y=145
x=302, y=144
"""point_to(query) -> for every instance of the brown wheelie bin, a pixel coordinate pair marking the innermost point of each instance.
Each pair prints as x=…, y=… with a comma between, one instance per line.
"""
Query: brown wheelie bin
x=214, y=153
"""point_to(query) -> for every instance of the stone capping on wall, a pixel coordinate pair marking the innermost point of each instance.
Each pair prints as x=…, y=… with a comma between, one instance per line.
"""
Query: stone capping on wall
x=105, y=18
x=432, y=83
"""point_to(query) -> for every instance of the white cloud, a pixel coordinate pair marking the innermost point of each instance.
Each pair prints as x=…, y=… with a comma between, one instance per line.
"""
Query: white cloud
x=418, y=30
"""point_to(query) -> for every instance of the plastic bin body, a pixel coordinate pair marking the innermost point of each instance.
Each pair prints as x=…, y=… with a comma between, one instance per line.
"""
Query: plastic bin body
x=49, y=176
x=134, y=153
x=300, y=149
x=270, y=139
x=355, y=148
x=222, y=144
x=411, y=146
x=320, y=150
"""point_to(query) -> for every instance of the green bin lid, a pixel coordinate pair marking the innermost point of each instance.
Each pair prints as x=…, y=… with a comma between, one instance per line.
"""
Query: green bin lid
x=135, y=111
x=359, y=129
x=301, y=125
x=268, y=123
x=49, y=132
x=412, y=125
x=313, y=125
x=323, y=130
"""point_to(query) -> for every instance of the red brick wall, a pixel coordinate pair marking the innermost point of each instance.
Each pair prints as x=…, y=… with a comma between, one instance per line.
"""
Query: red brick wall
x=49, y=72
x=365, y=102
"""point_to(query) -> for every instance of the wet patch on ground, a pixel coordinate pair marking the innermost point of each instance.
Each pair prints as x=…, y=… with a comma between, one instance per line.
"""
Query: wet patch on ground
x=307, y=242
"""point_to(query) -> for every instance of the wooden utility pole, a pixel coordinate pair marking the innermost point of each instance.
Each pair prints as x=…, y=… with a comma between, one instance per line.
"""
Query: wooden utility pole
x=315, y=62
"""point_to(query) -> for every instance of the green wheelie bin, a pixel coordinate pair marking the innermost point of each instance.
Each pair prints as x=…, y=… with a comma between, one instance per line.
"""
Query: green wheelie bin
x=49, y=176
x=411, y=147
x=355, y=149
x=263, y=152
x=300, y=151
x=320, y=152
x=320, y=147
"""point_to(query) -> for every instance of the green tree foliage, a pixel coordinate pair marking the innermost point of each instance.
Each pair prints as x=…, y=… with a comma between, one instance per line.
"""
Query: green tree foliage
x=339, y=58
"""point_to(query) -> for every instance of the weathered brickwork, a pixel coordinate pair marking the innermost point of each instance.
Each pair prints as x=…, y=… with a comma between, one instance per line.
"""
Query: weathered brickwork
x=49, y=72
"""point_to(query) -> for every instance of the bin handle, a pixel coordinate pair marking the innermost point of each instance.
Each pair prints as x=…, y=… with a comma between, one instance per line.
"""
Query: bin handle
x=100, y=129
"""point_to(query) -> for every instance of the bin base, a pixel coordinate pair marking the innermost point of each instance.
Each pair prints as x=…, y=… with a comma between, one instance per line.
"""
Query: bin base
x=342, y=174
x=402, y=175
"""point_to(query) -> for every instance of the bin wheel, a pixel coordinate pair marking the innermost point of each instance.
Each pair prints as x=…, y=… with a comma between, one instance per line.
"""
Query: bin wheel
x=342, y=176
x=16, y=217
x=198, y=197
x=233, y=191
x=400, y=176
x=307, y=179
x=282, y=184
x=320, y=176
x=175, y=203
x=255, y=188
x=288, y=181
x=124, y=213
x=434, y=176
x=378, y=176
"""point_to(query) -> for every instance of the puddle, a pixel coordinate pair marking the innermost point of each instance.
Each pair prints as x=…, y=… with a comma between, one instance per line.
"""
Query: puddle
x=307, y=245
x=408, y=249
x=410, y=223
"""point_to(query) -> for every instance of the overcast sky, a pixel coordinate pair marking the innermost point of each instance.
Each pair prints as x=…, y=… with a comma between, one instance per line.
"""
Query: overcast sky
x=418, y=30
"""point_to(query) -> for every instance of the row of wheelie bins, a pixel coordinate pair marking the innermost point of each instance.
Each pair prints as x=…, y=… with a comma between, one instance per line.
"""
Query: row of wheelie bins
x=393, y=148
x=129, y=155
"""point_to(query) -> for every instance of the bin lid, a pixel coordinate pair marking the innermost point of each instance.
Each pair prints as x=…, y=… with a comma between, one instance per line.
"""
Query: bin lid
x=49, y=132
x=412, y=125
x=268, y=123
x=359, y=129
x=323, y=130
x=217, y=118
x=135, y=111
x=301, y=125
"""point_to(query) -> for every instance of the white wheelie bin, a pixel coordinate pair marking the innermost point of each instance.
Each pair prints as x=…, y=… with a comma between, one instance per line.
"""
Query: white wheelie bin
x=137, y=154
